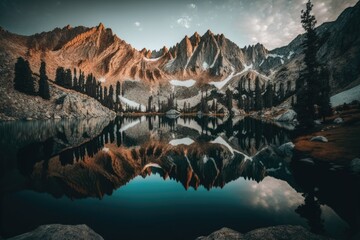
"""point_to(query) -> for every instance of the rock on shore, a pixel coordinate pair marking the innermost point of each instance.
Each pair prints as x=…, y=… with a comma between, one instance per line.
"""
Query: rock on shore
x=282, y=232
x=60, y=232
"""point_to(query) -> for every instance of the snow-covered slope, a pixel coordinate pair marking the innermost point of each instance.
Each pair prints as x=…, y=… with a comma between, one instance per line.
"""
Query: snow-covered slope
x=346, y=96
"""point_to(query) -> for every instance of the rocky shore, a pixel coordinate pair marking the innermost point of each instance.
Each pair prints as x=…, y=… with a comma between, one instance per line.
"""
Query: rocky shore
x=62, y=232
x=64, y=104
x=269, y=233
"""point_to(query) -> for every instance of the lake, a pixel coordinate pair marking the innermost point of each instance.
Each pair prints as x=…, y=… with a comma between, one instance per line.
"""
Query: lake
x=162, y=178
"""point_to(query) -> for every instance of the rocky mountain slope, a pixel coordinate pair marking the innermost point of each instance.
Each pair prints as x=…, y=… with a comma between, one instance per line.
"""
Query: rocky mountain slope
x=210, y=61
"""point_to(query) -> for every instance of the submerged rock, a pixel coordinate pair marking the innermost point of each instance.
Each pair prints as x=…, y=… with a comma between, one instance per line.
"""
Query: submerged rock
x=281, y=232
x=319, y=139
x=60, y=232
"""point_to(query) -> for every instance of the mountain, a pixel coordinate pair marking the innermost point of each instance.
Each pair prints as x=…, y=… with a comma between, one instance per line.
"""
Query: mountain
x=339, y=50
x=212, y=60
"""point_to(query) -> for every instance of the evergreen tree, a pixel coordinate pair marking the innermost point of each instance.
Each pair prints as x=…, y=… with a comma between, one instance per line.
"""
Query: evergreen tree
x=88, y=84
x=23, y=81
x=118, y=90
x=111, y=97
x=213, y=106
x=75, y=81
x=149, y=103
x=60, y=76
x=105, y=96
x=101, y=99
x=68, y=79
x=281, y=92
x=258, y=96
x=44, y=91
x=184, y=107
x=81, y=81
x=269, y=95
x=229, y=99
x=325, y=105
x=308, y=85
x=93, y=88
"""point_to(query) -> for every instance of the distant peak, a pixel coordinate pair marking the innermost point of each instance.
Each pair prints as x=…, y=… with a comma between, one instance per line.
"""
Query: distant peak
x=196, y=34
x=209, y=32
x=68, y=26
x=101, y=26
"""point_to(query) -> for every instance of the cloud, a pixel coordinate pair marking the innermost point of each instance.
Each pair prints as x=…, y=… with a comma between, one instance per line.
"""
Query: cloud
x=191, y=5
x=137, y=24
x=184, y=21
x=276, y=23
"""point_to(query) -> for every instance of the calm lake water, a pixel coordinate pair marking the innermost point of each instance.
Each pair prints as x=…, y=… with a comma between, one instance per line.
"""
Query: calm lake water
x=160, y=178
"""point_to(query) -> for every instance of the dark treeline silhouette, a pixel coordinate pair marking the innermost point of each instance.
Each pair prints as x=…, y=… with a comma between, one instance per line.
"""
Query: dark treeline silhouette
x=25, y=82
x=90, y=86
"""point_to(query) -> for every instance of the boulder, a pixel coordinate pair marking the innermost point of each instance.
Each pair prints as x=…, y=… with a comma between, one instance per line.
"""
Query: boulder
x=282, y=232
x=223, y=234
x=60, y=232
x=338, y=120
x=288, y=116
x=319, y=139
x=287, y=150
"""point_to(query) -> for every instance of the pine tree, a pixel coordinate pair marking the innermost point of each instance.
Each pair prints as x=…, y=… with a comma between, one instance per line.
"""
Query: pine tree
x=75, y=81
x=101, y=99
x=105, y=96
x=44, y=91
x=269, y=95
x=23, y=80
x=258, y=96
x=111, y=97
x=229, y=99
x=149, y=103
x=308, y=84
x=117, y=95
x=81, y=81
x=88, y=84
x=325, y=105
x=60, y=76
x=68, y=79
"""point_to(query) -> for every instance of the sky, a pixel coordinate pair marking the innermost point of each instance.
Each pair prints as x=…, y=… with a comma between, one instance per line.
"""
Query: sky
x=156, y=23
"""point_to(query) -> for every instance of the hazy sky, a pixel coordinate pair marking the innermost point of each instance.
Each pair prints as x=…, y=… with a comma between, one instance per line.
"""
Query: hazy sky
x=155, y=23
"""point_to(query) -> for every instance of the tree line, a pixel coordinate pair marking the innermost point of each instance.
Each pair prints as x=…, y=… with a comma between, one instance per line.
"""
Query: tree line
x=25, y=82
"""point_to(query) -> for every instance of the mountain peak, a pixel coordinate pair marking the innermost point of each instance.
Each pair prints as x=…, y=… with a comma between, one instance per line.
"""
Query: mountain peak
x=208, y=32
x=101, y=26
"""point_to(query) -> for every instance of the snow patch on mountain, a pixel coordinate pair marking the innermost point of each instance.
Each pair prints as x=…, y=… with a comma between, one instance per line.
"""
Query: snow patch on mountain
x=272, y=55
x=152, y=59
x=185, y=141
x=346, y=96
x=205, y=66
x=185, y=83
x=221, y=84
x=290, y=54
x=132, y=103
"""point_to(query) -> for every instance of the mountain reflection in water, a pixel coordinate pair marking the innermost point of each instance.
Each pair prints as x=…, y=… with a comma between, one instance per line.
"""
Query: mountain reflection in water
x=95, y=158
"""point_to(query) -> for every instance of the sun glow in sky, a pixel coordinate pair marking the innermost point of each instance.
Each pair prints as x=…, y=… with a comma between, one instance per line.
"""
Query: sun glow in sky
x=157, y=23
